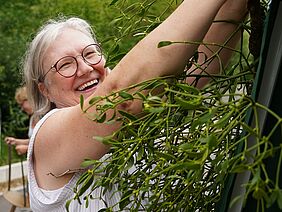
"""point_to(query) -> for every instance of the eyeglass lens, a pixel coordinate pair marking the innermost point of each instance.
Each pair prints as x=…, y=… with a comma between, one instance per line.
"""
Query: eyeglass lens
x=67, y=66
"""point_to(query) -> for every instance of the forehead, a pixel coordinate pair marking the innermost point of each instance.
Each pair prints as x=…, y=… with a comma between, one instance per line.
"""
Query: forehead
x=68, y=42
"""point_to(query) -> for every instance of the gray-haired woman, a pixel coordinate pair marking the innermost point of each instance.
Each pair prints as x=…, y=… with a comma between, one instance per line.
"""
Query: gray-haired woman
x=64, y=61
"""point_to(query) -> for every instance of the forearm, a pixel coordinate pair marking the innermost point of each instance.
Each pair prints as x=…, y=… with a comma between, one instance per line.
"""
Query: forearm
x=224, y=32
x=22, y=141
x=16, y=141
x=189, y=22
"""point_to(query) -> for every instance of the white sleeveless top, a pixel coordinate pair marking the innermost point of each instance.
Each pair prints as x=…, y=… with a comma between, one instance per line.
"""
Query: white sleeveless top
x=55, y=200
x=30, y=127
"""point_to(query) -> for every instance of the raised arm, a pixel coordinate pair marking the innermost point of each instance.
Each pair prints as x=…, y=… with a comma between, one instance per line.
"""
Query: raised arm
x=190, y=22
x=223, y=32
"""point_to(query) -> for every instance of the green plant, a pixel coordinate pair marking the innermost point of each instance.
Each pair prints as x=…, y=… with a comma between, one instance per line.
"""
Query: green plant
x=16, y=126
x=178, y=154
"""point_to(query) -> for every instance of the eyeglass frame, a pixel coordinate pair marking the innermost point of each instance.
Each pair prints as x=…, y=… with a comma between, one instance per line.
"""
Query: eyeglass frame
x=41, y=79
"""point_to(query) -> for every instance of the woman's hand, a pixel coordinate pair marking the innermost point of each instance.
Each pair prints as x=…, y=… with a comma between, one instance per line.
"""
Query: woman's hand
x=16, y=141
x=21, y=149
x=11, y=140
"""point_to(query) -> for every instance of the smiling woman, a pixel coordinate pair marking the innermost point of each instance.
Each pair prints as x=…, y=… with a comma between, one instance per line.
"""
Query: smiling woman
x=64, y=62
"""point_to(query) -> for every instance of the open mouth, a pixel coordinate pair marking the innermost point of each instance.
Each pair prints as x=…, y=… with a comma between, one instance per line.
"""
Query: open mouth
x=88, y=85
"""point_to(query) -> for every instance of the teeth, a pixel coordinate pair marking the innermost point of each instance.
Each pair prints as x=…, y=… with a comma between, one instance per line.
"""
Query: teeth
x=82, y=87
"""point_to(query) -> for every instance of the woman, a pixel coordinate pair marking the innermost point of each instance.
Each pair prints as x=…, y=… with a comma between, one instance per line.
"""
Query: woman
x=64, y=62
x=21, y=145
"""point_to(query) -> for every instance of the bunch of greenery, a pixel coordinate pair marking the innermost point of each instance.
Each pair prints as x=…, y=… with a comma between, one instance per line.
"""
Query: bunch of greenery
x=178, y=154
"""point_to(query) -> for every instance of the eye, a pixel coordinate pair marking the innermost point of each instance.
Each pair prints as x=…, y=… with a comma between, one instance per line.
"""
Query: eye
x=91, y=53
x=65, y=63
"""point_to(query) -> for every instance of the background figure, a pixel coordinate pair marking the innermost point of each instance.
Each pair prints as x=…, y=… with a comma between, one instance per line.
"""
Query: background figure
x=64, y=61
x=21, y=145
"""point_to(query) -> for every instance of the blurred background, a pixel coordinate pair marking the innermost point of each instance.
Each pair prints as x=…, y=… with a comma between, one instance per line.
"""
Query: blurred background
x=117, y=24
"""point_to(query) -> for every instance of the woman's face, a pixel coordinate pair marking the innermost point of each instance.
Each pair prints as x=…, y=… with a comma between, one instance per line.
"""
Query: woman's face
x=65, y=92
x=25, y=106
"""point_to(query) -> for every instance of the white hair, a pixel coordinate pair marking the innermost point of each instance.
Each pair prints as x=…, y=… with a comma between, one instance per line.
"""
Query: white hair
x=33, y=60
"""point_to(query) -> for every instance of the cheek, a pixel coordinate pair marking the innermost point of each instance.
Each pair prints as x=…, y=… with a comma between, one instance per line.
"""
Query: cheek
x=59, y=88
x=61, y=83
x=101, y=68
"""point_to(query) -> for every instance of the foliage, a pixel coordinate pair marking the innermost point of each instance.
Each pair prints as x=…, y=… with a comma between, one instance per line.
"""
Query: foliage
x=16, y=126
x=177, y=155
x=20, y=19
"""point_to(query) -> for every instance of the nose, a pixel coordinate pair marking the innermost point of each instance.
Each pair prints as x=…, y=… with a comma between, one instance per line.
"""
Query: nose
x=82, y=67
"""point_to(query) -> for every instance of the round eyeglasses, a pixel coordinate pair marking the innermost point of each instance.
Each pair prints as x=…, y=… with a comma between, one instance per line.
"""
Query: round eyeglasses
x=67, y=66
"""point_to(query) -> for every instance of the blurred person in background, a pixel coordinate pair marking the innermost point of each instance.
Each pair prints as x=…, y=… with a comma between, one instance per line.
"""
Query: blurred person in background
x=21, y=145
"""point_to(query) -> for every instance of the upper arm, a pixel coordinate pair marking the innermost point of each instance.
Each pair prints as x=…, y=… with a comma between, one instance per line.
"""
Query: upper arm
x=66, y=139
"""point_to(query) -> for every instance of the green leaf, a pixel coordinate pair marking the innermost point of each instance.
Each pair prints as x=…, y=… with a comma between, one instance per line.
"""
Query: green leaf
x=113, y=2
x=224, y=120
x=203, y=119
x=87, y=201
x=94, y=100
x=185, y=147
x=105, y=140
x=129, y=163
x=273, y=197
x=102, y=118
x=188, y=88
x=239, y=168
x=81, y=102
x=156, y=99
x=117, y=57
x=109, y=38
x=191, y=165
x=125, y=95
x=142, y=96
x=257, y=177
x=82, y=178
x=164, y=43
x=107, y=105
x=116, y=49
x=88, y=162
x=127, y=115
x=87, y=183
x=190, y=104
x=140, y=154
x=211, y=141
x=68, y=205
x=195, y=154
x=125, y=200
x=259, y=193
x=166, y=156
x=155, y=109
x=151, y=85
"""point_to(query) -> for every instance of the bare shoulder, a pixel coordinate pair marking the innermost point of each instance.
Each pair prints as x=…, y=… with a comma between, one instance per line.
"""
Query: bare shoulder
x=64, y=140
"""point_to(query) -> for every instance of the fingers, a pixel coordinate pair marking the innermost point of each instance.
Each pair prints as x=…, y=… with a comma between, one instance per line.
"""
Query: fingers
x=10, y=140
x=21, y=149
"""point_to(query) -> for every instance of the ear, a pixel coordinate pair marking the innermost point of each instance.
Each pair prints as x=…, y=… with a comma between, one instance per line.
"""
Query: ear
x=43, y=89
